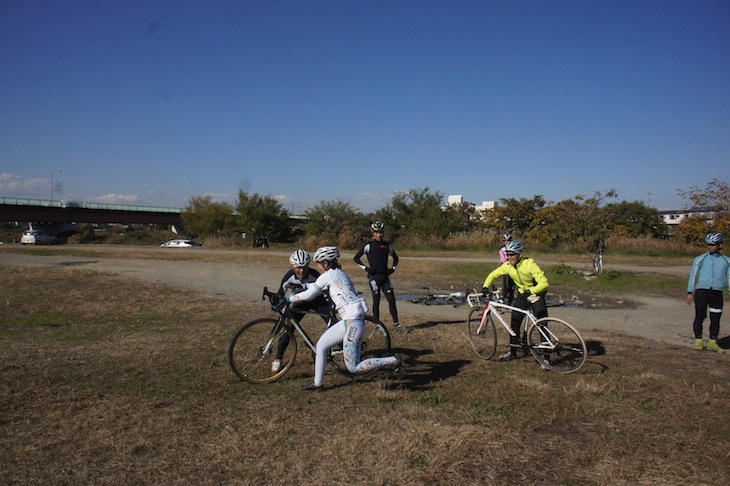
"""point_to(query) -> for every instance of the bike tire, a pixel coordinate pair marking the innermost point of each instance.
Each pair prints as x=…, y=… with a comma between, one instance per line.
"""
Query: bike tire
x=483, y=341
x=375, y=344
x=559, y=347
x=253, y=349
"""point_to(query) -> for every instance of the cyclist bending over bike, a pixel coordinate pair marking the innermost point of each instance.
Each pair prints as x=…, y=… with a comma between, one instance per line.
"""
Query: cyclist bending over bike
x=349, y=331
x=531, y=284
x=294, y=281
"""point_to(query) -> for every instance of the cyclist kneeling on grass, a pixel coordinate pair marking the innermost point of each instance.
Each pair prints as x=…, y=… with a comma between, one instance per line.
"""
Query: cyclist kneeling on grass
x=531, y=284
x=351, y=307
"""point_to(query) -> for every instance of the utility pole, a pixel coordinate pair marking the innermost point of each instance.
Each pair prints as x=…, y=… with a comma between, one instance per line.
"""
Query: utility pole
x=52, y=174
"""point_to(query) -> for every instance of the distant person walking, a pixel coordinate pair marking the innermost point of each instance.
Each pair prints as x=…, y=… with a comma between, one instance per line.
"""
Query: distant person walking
x=378, y=251
x=708, y=277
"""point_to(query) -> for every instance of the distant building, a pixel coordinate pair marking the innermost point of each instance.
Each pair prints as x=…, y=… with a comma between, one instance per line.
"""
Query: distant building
x=486, y=205
x=459, y=199
x=673, y=218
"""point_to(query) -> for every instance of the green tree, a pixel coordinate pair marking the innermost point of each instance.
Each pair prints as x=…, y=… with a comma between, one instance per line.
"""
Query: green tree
x=460, y=217
x=204, y=217
x=262, y=215
x=514, y=215
x=634, y=219
x=420, y=213
x=693, y=229
x=716, y=197
x=580, y=222
x=336, y=223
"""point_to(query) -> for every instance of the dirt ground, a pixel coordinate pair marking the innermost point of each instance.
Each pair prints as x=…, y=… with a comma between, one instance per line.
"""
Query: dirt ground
x=663, y=319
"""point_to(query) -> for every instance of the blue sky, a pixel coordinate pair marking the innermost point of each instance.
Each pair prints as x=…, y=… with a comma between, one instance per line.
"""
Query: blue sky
x=151, y=102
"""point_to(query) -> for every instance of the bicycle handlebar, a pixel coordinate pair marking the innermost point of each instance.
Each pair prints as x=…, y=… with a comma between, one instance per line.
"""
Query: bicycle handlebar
x=274, y=300
x=477, y=298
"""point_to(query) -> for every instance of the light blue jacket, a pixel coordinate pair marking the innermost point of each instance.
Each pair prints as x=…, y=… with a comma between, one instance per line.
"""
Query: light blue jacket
x=709, y=271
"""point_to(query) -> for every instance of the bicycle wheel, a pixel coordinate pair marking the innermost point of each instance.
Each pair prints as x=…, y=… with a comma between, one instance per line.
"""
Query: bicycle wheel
x=375, y=344
x=556, y=345
x=483, y=337
x=254, y=346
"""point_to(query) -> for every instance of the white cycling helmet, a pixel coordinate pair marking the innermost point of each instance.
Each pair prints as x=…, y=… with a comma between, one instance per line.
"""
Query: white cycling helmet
x=714, y=238
x=507, y=236
x=377, y=226
x=326, y=254
x=300, y=258
x=515, y=246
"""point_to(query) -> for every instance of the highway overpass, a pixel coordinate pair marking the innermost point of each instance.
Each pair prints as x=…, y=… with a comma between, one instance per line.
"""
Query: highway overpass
x=44, y=212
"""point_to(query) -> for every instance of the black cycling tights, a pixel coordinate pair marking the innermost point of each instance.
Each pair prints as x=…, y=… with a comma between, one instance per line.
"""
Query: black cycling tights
x=707, y=299
x=539, y=308
x=387, y=288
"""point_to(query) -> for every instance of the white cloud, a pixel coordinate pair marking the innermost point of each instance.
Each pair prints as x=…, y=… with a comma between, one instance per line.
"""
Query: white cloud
x=12, y=185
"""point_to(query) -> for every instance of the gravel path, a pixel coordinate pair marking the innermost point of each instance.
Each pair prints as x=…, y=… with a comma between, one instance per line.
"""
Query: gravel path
x=663, y=319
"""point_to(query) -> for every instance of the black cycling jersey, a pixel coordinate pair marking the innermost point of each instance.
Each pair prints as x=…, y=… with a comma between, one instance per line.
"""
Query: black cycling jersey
x=291, y=282
x=377, y=252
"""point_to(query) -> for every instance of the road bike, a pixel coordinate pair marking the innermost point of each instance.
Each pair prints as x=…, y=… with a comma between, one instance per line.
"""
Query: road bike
x=254, y=345
x=554, y=343
x=453, y=298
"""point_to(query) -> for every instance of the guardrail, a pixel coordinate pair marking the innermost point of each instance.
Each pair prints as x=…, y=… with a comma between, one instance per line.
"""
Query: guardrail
x=44, y=203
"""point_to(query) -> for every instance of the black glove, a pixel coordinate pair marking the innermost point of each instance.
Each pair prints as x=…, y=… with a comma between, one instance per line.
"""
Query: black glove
x=278, y=302
x=390, y=271
x=486, y=291
x=370, y=271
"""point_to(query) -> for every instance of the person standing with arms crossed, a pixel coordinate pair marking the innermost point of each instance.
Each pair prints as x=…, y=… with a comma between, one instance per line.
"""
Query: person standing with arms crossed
x=378, y=251
x=707, y=279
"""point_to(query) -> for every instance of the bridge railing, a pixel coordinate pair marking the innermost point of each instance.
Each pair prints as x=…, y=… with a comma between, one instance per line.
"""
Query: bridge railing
x=16, y=201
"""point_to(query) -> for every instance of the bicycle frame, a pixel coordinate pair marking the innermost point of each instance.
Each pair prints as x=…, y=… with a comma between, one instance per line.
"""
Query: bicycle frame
x=554, y=343
x=290, y=321
x=499, y=307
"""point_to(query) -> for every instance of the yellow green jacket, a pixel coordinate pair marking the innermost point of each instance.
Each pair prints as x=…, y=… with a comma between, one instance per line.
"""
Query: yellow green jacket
x=527, y=276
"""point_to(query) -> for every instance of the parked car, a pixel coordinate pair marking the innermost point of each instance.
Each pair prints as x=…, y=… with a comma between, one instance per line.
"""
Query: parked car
x=38, y=237
x=180, y=244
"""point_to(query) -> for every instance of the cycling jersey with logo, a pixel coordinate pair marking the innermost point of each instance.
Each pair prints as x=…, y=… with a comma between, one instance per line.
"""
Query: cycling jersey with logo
x=377, y=253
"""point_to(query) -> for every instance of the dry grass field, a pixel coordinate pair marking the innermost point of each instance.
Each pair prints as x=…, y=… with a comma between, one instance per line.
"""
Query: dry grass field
x=106, y=380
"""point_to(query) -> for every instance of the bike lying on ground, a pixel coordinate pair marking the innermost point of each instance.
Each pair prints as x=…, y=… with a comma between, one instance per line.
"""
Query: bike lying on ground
x=554, y=343
x=453, y=298
x=254, y=345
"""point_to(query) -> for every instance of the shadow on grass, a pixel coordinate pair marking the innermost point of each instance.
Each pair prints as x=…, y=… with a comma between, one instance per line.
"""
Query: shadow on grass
x=422, y=374
x=426, y=325
x=595, y=348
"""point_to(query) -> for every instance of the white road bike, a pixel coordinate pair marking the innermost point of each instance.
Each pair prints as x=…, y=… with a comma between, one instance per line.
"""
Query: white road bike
x=554, y=343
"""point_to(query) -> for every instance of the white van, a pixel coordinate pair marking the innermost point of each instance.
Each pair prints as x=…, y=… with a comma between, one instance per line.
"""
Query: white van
x=37, y=237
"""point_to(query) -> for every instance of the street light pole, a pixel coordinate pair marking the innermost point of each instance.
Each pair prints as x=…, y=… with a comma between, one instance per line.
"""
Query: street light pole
x=52, y=174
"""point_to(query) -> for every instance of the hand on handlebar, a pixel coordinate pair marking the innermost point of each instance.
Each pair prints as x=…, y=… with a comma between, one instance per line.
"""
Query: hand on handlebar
x=277, y=301
x=279, y=305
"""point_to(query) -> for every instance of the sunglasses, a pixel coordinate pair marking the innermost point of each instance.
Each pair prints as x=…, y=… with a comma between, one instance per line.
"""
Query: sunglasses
x=512, y=254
